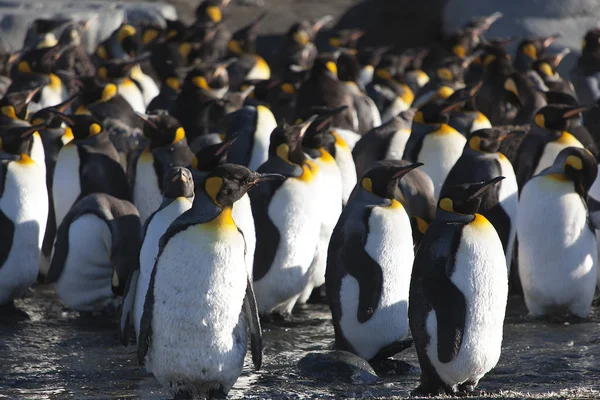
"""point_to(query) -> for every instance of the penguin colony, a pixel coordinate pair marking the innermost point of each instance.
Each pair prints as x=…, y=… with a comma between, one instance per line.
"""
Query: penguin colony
x=179, y=178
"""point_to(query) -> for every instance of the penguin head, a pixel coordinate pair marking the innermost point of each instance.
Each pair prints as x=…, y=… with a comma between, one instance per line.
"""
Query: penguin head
x=209, y=77
x=300, y=33
x=579, y=165
x=82, y=126
x=73, y=33
x=345, y=38
x=437, y=112
x=325, y=64
x=464, y=41
x=151, y=34
x=48, y=116
x=531, y=48
x=211, y=11
x=115, y=70
x=176, y=31
x=450, y=71
x=94, y=90
x=17, y=139
x=558, y=117
x=178, y=182
x=546, y=65
x=15, y=105
x=553, y=97
x=382, y=179
x=286, y=142
x=348, y=67
x=486, y=140
x=318, y=135
x=227, y=183
x=590, y=47
x=40, y=60
x=244, y=39
x=128, y=39
x=209, y=157
x=465, y=198
x=495, y=57
x=161, y=128
x=465, y=97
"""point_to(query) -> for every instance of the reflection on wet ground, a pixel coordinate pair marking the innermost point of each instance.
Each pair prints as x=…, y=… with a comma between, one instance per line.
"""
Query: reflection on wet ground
x=59, y=355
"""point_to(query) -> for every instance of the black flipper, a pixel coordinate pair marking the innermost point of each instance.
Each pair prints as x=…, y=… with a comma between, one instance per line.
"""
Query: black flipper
x=7, y=228
x=145, y=335
x=126, y=307
x=253, y=321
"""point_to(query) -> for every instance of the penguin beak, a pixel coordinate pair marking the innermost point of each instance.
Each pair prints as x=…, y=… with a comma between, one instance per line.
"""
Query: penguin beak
x=577, y=110
x=304, y=127
x=64, y=118
x=478, y=189
x=223, y=66
x=180, y=177
x=62, y=107
x=401, y=171
x=32, y=95
x=560, y=56
x=548, y=41
x=226, y=144
x=246, y=92
x=266, y=177
x=146, y=120
x=321, y=23
x=33, y=130
x=475, y=89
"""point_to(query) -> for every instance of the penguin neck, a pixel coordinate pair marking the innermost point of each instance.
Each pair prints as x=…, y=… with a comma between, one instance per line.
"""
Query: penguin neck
x=450, y=217
x=203, y=208
x=371, y=199
x=168, y=200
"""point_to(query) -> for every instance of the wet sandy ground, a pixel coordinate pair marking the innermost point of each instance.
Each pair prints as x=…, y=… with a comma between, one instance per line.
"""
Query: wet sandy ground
x=60, y=355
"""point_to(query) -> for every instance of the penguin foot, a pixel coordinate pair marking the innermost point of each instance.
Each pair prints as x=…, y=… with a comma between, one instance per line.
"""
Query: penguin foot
x=10, y=313
x=387, y=367
x=468, y=389
x=318, y=296
x=277, y=319
x=427, y=390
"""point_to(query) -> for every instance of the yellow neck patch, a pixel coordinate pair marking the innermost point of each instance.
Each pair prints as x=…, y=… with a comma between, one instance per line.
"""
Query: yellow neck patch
x=558, y=177
x=9, y=111
x=367, y=184
x=24, y=67
x=149, y=36
x=326, y=156
x=301, y=38
x=82, y=110
x=102, y=73
x=200, y=82
x=418, y=118
x=546, y=69
x=574, y=162
x=540, y=120
x=331, y=67
x=475, y=143
x=125, y=32
x=395, y=204
x=444, y=92
x=179, y=135
x=383, y=74
x=408, y=96
x=213, y=186
x=55, y=82
x=445, y=74
x=67, y=136
x=338, y=140
x=335, y=41
x=530, y=51
x=173, y=83
x=109, y=91
x=95, y=129
x=568, y=139
x=480, y=222
x=101, y=52
x=25, y=160
x=234, y=47
x=184, y=49
x=288, y=88
x=214, y=13
x=459, y=50
x=421, y=224
x=446, y=129
x=222, y=222
x=447, y=205
x=309, y=170
x=283, y=152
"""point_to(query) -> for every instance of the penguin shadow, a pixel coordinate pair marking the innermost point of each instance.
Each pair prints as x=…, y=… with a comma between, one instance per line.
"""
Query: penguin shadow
x=105, y=319
x=11, y=314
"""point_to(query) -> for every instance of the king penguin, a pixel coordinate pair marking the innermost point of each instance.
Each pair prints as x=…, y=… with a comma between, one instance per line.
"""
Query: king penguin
x=87, y=164
x=481, y=161
x=178, y=187
x=288, y=222
x=558, y=267
x=458, y=294
x=199, y=351
x=23, y=215
x=167, y=148
x=96, y=246
x=585, y=75
x=369, y=264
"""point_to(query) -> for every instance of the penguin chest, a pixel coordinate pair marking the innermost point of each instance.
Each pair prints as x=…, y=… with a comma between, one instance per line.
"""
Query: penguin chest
x=147, y=195
x=156, y=228
x=37, y=152
x=52, y=94
x=439, y=153
x=199, y=289
x=85, y=281
x=66, y=186
x=480, y=275
x=366, y=75
x=345, y=162
x=508, y=198
x=480, y=122
x=242, y=215
x=265, y=124
x=389, y=243
x=25, y=203
x=395, y=108
x=260, y=70
x=552, y=149
x=397, y=144
x=149, y=88
x=329, y=190
x=132, y=94
x=557, y=270
x=348, y=136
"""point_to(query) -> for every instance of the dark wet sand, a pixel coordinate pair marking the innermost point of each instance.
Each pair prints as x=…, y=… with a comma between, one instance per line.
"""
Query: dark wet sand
x=59, y=355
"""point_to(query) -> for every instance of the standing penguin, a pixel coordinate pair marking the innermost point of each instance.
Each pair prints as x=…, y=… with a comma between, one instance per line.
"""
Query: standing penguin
x=369, y=264
x=343, y=157
x=558, y=269
x=288, y=222
x=87, y=164
x=547, y=137
x=96, y=246
x=481, y=161
x=178, y=187
x=585, y=75
x=167, y=148
x=435, y=144
x=23, y=215
x=467, y=118
x=458, y=294
x=253, y=126
x=202, y=256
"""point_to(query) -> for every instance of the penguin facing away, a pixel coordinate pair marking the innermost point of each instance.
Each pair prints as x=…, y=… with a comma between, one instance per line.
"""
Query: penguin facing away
x=23, y=215
x=369, y=265
x=201, y=258
x=458, y=294
x=96, y=246
x=178, y=187
x=558, y=269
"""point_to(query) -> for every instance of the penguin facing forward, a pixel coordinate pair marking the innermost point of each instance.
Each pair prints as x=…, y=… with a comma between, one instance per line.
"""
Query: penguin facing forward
x=178, y=185
x=558, y=269
x=547, y=137
x=96, y=246
x=369, y=265
x=481, y=161
x=458, y=294
x=23, y=215
x=167, y=148
x=202, y=257
x=288, y=224
x=435, y=143
x=253, y=126
x=87, y=164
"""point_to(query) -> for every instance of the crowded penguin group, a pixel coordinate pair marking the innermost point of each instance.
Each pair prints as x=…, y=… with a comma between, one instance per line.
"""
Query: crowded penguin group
x=197, y=189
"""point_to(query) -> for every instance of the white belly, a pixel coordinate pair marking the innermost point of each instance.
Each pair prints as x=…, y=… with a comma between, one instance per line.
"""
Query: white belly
x=594, y=193
x=345, y=161
x=204, y=340
x=25, y=203
x=557, y=251
x=242, y=215
x=551, y=151
x=295, y=213
x=265, y=124
x=480, y=274
x=508, y=197
x=85, y=281
x=66, y=186
x=397, y=145
x=397, y=106
x=38, y=154
x=147, y=196
x=439, y=153
x=350, y=137
x=156, y=228
x=390, y=244
x=149, y=88
x=132, y=95
x=52, y=96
